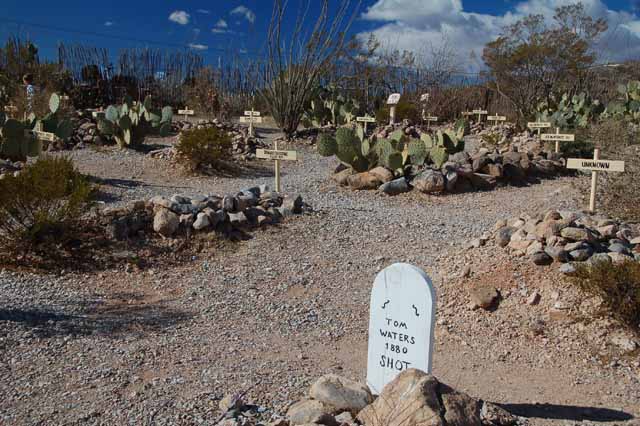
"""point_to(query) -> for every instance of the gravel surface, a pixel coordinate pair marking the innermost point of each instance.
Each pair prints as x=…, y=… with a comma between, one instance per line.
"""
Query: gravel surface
x=271, y=314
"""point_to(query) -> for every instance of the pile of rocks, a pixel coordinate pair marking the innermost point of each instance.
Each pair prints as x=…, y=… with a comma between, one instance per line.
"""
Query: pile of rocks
x=412, y=398
x=8, y=167
x=464, y=172
x=567, y=237
x=502, y=133
x=252, y=207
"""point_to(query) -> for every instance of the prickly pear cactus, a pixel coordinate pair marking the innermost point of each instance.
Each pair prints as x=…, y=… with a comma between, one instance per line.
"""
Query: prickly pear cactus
x=129, y=123
x=327, y=146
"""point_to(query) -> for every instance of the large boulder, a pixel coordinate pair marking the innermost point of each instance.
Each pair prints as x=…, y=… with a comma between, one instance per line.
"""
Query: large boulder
x=415, y=398
x=166, y=222
x=363, y=181
x=429, y=182
x=341, y=393
x=342, y=177
x=395, y=187
x=383, y=174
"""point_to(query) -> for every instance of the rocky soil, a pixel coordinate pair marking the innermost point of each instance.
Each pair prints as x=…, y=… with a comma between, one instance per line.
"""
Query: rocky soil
x=269, y=315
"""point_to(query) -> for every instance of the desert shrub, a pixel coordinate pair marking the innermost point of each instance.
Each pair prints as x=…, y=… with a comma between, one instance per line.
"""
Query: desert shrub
x=618, y=285
x=204, y=148
x=42, y=203
x=201, y=93
x=404, y=110
x=618, y=193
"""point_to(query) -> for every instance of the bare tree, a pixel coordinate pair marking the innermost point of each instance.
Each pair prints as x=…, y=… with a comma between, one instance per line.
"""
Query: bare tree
x=296, y=60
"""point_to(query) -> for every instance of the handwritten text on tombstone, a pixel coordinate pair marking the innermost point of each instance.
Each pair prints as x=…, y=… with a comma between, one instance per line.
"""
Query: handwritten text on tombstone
x=401, y=323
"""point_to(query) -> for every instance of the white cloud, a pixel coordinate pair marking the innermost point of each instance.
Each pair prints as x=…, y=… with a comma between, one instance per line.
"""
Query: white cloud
x=221, y=24
x=108, y=24
x=196, y=46
x=416, y=24
x=180, y=17
x=246, y=12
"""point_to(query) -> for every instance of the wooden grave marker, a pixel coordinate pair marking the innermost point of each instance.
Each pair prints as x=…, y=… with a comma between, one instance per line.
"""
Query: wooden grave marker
x=365, y=120
x=558, y=137
x=538, y=125
x=479, y=113
x=595, y=165
x=40, y=134
x=401, y=324
x=186, y=112
x=393, y=100
x=251, y=117
x=496, y=119
x=276, y=155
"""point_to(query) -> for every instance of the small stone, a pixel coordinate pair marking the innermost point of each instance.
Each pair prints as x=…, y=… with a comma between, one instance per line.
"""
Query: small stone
x=533, y=299
x=230, y=402
x=577, y=234
x=484, y=297
x=541, y=258
x=503, y=235
x=308, y=411
x=165, y=222
x=201, y=222
x=567, y=269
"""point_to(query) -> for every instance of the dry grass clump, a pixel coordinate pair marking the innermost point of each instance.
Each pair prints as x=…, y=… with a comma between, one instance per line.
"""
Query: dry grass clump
x=204, y=148
x=618, y=285
x=618, y=193
x=41, y=205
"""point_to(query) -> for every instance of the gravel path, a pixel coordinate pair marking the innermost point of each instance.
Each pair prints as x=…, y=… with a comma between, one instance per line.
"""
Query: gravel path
x=272, y=314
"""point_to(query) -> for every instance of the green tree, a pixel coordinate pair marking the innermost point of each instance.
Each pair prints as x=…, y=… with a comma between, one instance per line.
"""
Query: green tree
x=533, y=60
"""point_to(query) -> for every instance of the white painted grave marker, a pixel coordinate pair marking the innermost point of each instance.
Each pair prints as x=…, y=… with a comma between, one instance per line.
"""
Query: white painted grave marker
x=401, y=324
x=186, y=112
x=40, y=134
x=595, y=165
x=557, y=137
x=393, y=101
x=365, y=120
x=480, y=113
x=251, y=117
x=539, y=125
x=277, y=155
x=496, y=118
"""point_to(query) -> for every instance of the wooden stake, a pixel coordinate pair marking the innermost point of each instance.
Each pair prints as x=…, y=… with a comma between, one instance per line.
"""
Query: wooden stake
x=277, y=168
x=594, y=183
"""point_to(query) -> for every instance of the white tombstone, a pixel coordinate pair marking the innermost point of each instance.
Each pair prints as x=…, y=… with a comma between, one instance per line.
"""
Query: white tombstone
x=393, y=101
x=401, y=324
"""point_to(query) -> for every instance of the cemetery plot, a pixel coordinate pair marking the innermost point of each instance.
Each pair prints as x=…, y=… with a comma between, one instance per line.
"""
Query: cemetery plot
x=401, y=324
x=595, y=165
x=276, y=155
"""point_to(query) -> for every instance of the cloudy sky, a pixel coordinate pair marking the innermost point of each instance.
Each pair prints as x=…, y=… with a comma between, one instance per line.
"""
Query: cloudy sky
x=221, y=28
x=416, y=24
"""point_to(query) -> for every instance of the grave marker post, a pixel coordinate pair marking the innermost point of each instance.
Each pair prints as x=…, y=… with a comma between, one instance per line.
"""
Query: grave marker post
x=595, y=166
x=558, y=137
x=251, y=117
x=401, y=324
x=496, y=119
x=186, y=112
x=277, y=156
x=392, y=101
x=365, y=120
x=538, y=125
x=480, y=113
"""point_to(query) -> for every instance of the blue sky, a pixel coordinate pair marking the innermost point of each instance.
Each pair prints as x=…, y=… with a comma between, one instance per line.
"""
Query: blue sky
x=217, y=27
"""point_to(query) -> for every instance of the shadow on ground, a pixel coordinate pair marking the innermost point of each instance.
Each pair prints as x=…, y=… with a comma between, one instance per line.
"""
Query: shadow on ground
x=567, y=412
x=127, y=315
